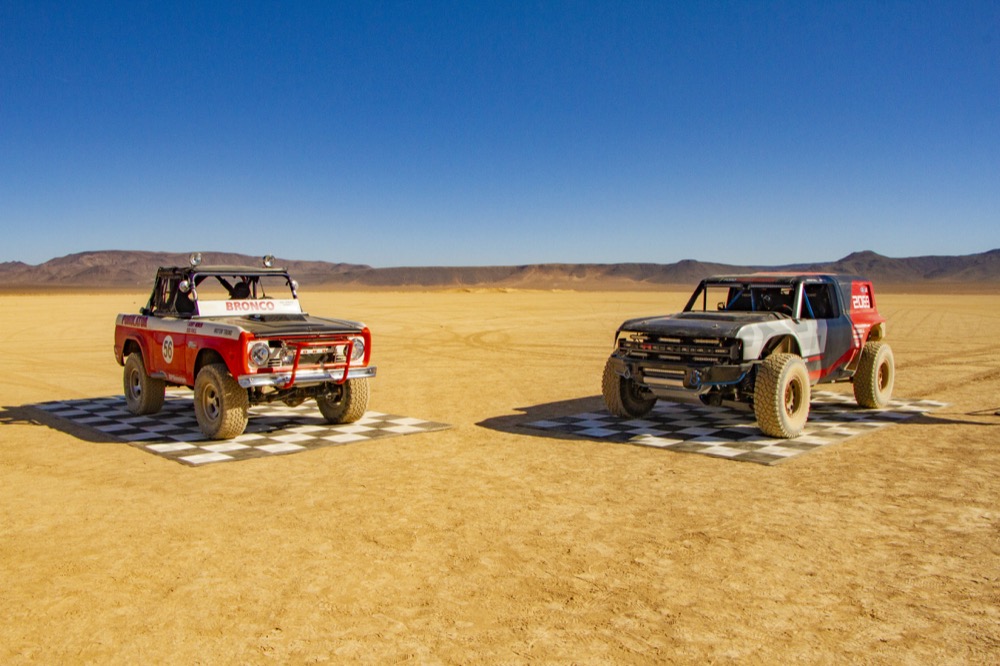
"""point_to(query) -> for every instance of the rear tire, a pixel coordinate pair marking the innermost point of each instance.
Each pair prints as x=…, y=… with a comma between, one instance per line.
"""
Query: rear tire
x=781, y=396
x=143, y=394
x=875, y=377
x=220, y=404
x=624, y=397
x=349, y=406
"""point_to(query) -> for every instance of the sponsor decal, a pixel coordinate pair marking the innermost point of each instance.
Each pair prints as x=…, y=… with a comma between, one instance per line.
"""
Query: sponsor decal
x=135, y=321
x=168, y=349
x=861, y=298
x=242, y=308
x=249, y=306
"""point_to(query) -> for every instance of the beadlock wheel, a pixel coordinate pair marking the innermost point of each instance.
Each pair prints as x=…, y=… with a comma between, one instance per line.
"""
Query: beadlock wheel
x=875, y=376
x=781, y=396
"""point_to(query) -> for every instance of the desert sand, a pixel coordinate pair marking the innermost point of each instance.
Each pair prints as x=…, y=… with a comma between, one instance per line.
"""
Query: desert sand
x=485, y=543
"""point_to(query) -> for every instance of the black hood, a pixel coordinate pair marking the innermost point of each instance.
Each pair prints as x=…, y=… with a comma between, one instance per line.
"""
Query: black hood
x=694, y=324
x=290, y=324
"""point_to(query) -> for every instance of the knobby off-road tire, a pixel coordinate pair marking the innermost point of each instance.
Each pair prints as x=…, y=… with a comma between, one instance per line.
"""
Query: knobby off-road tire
x=875, y=376
x=624, y=397
x=143, y=394
x=220, y=404
x=781, y=396
x=349, y=406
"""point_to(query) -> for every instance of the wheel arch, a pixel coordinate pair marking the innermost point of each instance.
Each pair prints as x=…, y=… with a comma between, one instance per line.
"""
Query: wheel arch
x=877, y=332
x=781, y=344
x=207, y=357
x=132, y=346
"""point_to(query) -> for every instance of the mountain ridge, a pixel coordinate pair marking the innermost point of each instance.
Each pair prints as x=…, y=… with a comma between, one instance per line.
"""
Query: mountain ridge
x=125, y=268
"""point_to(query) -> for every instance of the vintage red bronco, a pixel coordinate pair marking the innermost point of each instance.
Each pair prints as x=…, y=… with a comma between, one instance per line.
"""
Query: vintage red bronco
x=238, y=337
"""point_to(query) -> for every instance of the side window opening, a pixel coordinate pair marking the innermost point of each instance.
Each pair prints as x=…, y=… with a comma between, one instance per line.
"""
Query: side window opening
x=818, y=302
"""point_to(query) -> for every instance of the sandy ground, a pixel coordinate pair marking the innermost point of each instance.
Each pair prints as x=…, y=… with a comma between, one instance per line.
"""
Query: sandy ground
x=492, y=545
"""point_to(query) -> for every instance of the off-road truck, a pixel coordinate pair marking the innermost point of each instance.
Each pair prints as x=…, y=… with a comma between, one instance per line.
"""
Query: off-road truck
x=760, y=339
x=238, y=337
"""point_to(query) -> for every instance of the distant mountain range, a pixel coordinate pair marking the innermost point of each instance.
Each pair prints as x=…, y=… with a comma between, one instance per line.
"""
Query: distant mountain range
x=125, y=269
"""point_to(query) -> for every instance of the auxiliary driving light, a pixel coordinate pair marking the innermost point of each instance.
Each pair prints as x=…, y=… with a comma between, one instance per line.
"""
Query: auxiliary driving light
x=268, y=260
x=195, y=259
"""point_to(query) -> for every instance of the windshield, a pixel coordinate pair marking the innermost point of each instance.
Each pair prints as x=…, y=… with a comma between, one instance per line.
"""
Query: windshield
x=213, y=287
x=747, y=297
x=226, y=295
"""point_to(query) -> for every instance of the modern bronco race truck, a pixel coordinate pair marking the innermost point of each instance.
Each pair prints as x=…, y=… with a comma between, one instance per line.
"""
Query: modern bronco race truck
x=760, y=339
x=238, y=337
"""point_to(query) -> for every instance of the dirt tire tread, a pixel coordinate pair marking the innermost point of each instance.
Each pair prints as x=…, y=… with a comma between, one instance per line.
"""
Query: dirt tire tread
x=869, y=391
x=773, y=376
x=351, y=407
x=235, y=404
x=618, y=395
x=152, y=391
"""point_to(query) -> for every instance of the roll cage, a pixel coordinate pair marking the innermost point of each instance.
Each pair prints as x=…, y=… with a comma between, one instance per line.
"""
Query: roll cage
x=175, y=291
x=797, y=297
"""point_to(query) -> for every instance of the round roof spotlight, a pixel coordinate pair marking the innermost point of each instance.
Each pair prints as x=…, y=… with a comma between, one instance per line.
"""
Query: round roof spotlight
x=268, y=260
x=195, y=258
x=184, y=286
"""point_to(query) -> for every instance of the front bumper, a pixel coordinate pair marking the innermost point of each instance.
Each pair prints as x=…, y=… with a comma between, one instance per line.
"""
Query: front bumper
x=693, y=378
x=304, y=377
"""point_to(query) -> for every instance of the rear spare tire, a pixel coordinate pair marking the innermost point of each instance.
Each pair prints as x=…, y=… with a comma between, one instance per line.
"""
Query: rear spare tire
x=623, y=396
x=781, y=396
x=875, y=376
x=220, y=404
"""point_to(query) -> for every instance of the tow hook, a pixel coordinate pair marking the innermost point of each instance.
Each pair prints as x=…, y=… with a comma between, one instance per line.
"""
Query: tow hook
x=692, y=379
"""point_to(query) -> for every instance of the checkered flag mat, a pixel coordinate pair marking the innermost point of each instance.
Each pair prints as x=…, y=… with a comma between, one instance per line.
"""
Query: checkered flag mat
x=273, y=429
x=725, y=432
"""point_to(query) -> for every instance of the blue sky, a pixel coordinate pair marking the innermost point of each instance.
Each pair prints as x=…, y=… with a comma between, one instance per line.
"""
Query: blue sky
x=478, y=133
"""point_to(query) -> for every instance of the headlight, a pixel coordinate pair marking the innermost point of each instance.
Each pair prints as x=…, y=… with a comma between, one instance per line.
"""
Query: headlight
x=260, y=354
x=358, y=352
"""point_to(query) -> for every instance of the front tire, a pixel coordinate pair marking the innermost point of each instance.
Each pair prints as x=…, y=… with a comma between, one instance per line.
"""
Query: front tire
x=220, y=404
x=346, y=405
x=875, y=377
x=781, y=396
x=624, y=397
x=143, y=394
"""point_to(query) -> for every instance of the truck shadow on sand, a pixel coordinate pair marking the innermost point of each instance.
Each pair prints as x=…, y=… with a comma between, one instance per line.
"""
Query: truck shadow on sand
x=32, y=416
x=173, y=431
x=723, y=432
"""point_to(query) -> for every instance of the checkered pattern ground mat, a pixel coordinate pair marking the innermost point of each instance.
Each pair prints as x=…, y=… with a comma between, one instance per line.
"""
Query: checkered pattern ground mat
x=732, y=433
x=273, y=429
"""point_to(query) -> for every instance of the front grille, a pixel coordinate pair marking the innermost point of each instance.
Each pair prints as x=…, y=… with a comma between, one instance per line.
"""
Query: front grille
x=687, y=350
x=283, y=356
